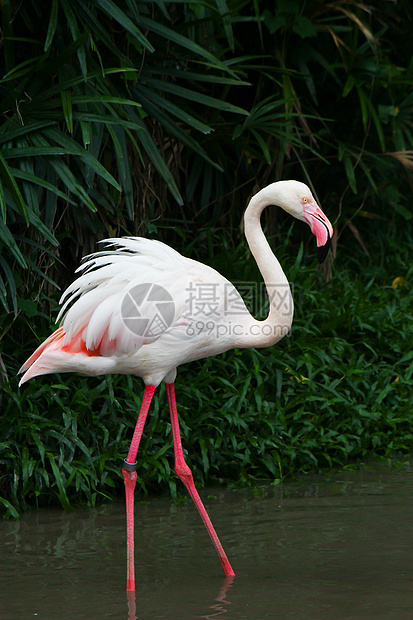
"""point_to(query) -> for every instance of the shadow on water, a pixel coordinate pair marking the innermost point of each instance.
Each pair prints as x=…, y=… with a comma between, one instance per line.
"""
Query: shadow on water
x=338, y=548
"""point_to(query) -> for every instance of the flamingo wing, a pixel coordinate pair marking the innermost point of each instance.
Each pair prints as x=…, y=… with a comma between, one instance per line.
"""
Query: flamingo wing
x=103, y=311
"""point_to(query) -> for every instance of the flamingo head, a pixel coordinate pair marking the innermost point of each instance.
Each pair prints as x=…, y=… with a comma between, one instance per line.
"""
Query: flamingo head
x=300, y=203
x=320, y=226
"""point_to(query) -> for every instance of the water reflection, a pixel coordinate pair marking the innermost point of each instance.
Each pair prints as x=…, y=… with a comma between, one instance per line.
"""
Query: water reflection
x=218, y=608
x=131, y=598
x=338, y=548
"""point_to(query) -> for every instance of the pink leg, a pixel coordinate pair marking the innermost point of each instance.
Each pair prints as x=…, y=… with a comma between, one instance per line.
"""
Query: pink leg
x=129, y=476
x=185, y=474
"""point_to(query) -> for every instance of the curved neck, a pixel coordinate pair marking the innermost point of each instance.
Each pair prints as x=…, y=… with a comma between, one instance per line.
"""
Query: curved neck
x=280, y=317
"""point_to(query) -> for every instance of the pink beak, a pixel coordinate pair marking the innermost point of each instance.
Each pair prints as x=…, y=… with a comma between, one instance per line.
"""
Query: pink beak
x=320, y=226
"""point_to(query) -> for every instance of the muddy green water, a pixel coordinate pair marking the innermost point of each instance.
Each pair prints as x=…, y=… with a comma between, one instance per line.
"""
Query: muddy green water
x=338, y=548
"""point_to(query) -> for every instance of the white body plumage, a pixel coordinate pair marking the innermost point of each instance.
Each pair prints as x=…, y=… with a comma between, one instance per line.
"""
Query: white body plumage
x=99, y=333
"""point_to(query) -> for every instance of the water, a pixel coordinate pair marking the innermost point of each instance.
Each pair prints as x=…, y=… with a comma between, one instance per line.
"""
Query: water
x=318, y=549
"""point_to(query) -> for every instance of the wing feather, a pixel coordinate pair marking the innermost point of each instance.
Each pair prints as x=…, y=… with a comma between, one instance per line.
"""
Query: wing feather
x=92, y=304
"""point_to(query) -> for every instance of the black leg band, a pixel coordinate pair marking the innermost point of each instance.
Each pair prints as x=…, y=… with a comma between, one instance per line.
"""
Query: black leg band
x=129, y=466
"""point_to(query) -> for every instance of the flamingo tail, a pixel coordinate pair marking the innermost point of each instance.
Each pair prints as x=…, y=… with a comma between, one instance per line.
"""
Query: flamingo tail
x=56, y=354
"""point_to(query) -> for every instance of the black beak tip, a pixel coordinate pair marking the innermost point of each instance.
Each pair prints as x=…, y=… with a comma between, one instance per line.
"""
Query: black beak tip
x=323, y=250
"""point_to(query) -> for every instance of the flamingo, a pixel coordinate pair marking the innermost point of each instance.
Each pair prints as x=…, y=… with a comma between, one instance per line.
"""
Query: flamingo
x=141, y=308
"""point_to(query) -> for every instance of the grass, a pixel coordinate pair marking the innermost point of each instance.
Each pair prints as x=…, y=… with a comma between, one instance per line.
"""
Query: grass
x=337, y=390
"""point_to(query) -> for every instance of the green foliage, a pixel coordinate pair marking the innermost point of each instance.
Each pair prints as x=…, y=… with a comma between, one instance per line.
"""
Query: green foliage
x=84, y=105
x=66, y=439
x=338, y=389
x=115, y=114
x=162, y=117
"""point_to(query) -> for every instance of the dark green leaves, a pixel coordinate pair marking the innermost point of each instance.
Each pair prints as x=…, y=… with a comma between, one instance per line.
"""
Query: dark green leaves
x=76, y=125
x=162, y=118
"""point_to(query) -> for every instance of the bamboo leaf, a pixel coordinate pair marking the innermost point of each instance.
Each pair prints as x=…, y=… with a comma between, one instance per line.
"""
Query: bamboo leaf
x=8, y=180
x=9, y=507
x=74, y=29
x=349, y=168
x=8, y=132
x=111, y=9
x=71, y=182
x=7, y=238
x=67, y=109
x=106, y=119
x=23, y=68
x=3, y=206
x=76, y=149
x=60, y=483
x=183, y=115
x=259, y=19
x=263, y=145
x=51, y=30
x=36, y=151
x=38, y=224
x=7, y=35
x=191, y=76
x=66, y=175
x=121, y=152
x=30, y=192
x=226, y=20
x=3, y=295
x=11, y=283
x=377, y=124
x=95, y=26
x=32, y=178
x=148, y=144
x=192, y=95
x=183, y=136
x=86, y=133
x=172, y=35
x=41, y=273
x=104, y=99
x=363, y=105
x=75, y=81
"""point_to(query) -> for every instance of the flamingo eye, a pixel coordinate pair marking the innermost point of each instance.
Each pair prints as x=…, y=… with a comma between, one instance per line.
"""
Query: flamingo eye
x=304, y=200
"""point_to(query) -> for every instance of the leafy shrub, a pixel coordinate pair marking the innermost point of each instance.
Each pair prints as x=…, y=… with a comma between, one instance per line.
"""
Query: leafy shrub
x=162, y=118
x=337, y=390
